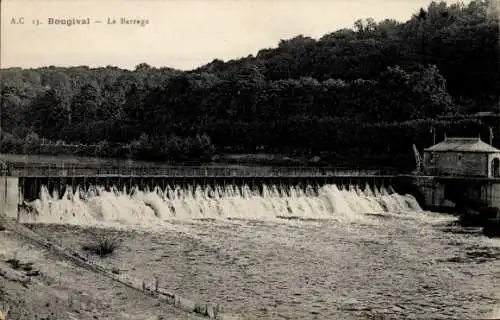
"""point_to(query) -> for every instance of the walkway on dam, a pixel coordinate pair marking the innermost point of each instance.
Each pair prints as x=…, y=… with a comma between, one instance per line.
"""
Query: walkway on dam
x=210, y=171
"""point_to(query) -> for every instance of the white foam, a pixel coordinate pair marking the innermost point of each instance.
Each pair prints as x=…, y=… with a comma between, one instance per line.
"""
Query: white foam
x=96, y=206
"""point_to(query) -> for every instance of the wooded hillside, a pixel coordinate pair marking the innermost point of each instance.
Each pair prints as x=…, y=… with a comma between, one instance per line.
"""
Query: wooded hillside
x=357, y=94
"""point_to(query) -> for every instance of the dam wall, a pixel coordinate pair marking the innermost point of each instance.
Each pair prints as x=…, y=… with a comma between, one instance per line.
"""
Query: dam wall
x=30, y=187
x=58, y=178
x=24, y=183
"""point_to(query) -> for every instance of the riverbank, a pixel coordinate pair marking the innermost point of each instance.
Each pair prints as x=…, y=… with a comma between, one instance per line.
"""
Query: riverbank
x=394, y=266
x=37, y=283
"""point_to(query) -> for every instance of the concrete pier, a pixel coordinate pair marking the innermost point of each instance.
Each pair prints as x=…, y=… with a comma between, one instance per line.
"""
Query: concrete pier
x=441, y=191
x=9, y=196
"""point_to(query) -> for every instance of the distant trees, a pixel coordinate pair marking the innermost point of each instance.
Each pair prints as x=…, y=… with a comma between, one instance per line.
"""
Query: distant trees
x=373, y=90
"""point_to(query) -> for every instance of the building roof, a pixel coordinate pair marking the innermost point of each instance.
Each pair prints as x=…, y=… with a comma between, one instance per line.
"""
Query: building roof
x=463, y=145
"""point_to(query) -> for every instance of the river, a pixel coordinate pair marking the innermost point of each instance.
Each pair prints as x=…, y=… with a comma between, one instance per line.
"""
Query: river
x=289, y=253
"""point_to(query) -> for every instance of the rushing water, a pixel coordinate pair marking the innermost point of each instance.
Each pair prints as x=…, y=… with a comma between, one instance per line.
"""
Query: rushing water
x=152, y=208
x=296, y=253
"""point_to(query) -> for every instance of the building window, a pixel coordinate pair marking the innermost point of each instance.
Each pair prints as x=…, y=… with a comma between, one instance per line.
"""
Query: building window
x=459, y=157
x=495, y=168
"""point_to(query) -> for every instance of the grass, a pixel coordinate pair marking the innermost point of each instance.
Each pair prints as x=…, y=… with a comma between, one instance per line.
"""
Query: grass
x=14, y=263
x=103, y=246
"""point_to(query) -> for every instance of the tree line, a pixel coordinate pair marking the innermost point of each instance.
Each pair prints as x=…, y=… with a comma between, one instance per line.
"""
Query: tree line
x=368, y=92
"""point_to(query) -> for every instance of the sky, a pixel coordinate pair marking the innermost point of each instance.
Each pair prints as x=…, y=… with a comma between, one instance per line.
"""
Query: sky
x=182, y=34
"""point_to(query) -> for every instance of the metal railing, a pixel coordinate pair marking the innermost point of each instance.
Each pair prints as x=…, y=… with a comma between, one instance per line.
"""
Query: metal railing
x=47, y=170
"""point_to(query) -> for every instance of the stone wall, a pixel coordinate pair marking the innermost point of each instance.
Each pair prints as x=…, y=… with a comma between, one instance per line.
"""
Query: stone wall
x=431, y=190
x=438, y=192
x=456, y=163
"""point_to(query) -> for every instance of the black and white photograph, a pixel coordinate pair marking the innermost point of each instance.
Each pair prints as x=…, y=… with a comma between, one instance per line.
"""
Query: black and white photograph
x=249, y=159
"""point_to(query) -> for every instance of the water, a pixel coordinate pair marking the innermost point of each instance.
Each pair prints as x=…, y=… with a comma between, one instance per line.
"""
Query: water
x=290, y=252
x=146, y=209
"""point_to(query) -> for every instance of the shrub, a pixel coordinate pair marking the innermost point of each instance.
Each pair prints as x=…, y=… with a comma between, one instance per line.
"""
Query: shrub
x=31, y=143
x=102, y=149
x=11, y=143
x=103, y=246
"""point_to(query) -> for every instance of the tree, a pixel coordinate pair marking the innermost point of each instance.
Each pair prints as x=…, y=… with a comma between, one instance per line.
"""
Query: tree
x=47, y=114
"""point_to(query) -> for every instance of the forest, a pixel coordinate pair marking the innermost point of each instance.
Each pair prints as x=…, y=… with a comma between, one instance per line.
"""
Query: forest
x=356, y=96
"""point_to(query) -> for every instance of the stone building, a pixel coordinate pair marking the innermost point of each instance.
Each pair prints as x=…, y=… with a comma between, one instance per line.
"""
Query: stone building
x=468, y=157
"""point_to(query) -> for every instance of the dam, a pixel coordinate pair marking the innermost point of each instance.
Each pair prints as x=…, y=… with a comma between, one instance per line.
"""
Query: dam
x=455, y=173
x=57, y=178
x=34, y=184
x=307, y=241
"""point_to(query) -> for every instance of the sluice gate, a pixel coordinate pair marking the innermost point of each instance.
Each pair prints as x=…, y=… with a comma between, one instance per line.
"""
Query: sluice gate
x=30, y=187
x=58, y=178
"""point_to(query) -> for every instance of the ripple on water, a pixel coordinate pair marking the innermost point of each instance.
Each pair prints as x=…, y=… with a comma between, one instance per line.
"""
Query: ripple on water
x=390, y=269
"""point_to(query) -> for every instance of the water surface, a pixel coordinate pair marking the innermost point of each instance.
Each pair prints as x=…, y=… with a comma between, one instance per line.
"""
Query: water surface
x=338, y=254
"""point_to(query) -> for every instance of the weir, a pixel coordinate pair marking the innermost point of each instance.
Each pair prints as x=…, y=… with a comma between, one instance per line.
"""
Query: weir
x=454, y=173
x=29, y=187
x=34, y=182
x=59, y=178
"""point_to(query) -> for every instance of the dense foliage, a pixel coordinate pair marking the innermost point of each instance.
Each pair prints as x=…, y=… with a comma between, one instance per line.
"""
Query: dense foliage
x=373, y=90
